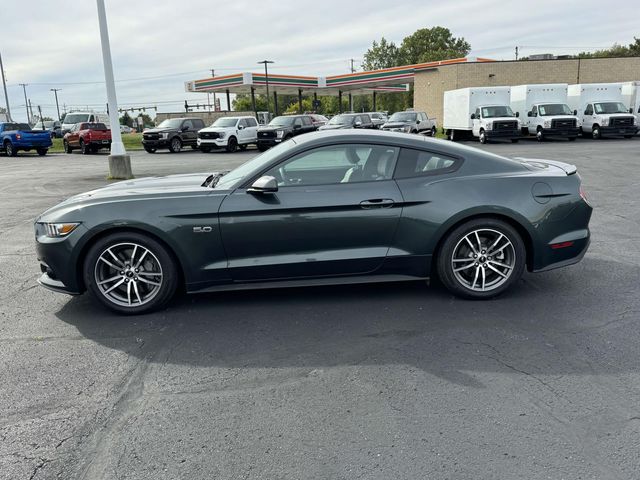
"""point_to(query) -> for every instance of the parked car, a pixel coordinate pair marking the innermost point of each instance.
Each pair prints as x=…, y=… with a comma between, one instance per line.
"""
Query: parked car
x=411, y=122
x=283, y=128
x=20, y=136
x=174, y=134
x=53, y=127
x=229, y=133
x=88, y=137
x=318, y=120
x=70, y=119
x=349, y=120
x=330, y=207
x=378, y=118
x=126, y=129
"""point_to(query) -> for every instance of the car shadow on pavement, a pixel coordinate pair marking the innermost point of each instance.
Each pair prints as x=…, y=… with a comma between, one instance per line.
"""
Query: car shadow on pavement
x=559, y=322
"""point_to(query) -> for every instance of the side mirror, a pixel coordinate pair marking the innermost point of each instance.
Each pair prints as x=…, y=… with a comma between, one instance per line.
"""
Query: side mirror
x=297, y=127
x=529, y=114
x=631, y=110
x=517, y=114
x=473, y=116
x=265, y=184
x=575, y=112
x=358, y=124
x=185, y=128
x=240, y=127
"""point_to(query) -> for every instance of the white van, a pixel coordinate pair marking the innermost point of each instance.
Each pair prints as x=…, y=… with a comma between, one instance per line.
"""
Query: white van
x=631, y=98
x=72, y=118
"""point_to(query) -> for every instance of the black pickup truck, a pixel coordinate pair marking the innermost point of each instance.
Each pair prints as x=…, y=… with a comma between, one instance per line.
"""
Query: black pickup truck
x=283, y=128
x=174, y=134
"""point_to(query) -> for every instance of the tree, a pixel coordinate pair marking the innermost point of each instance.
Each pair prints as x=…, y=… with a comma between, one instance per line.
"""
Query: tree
x=382, y=54
x=126, y=120
x=432, y=44
x=616, y=50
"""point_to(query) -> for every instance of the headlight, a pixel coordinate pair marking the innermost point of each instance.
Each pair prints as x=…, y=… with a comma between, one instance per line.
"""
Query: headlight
x=605, y=122
x=280, y=133
x=57, y=230
x=222, y=134
x=489, y=126
x=546, y=124
x=164, y=136
x=407, y=128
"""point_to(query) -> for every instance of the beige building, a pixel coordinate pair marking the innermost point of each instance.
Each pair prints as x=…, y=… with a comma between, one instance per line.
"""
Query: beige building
x=430, y=84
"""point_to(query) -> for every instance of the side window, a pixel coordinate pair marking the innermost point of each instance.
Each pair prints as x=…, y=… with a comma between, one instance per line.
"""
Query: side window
x=478, y=113
x=534, y=110
x=242, y=122
x=365, y=118
x=589, y=110
x=187, y=125
x=307, y=121
x=297, y=122
x=337, y=164
x=418, y=163
x=198, y=124
x=251, y=122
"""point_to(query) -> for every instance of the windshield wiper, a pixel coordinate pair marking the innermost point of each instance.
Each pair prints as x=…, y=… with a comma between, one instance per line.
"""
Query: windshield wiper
x=213, y=179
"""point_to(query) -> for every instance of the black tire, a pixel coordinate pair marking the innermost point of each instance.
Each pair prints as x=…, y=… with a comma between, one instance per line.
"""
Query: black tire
x=84, y=148
x=263, y=148
x=243, y=147
x=175, y=145
x=232, y=145
x=540, y=135
x=67, y=147
x=194, y=147
x=572, y=139
x=455, y=240
x=149, y=150
x=42, y=151
x=204, y=149
x=483, y=137
x=595, y=132
x=628, y=136
x=515, y=140
x=10, y=150
x=163, y=293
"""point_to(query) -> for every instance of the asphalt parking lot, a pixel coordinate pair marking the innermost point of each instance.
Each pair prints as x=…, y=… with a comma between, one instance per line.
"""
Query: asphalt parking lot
x=387, y=381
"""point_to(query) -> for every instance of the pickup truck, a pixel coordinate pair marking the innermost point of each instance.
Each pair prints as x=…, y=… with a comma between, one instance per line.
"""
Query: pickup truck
x=19, y=136
x=411, y=122
x=88, y=137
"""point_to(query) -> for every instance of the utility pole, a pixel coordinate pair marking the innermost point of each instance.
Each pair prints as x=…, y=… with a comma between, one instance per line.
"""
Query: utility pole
x=353, y=70
x=55, y=91
x=516, y=53
x=266, y=80
x=119, y=161
x=26, y=103
x=4, y=85
x=213, y=74
x=31, y=110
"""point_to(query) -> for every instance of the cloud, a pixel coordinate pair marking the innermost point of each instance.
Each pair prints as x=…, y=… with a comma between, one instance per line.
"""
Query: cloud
x=58, y=42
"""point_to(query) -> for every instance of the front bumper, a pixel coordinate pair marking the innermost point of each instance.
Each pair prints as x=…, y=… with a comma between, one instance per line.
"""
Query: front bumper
x=212, y=142
x=160, y=143
x=515, y=133
x=268, y=142
x=572, y=132
x=58, y=261
x=618, y=131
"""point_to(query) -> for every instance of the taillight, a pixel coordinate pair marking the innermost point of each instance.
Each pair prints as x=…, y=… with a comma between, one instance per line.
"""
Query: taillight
x=18, y=136
x=583, y=194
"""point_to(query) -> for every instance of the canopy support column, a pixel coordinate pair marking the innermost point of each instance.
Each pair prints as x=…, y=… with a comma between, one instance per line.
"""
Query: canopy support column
x=374, y=100
x=300, y=100
x=350, y=102
x=275, y=104
x=253, y=101
x=339, y=101
x=228, y=101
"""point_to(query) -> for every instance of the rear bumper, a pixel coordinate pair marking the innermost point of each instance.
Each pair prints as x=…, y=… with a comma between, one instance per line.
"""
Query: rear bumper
x=100, y=143
x=618, y=131
x=573, y=255
x=31, y=145
x=561, y=132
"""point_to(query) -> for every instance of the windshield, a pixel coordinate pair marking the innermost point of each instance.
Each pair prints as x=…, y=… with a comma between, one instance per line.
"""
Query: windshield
x=236, y=176
x=554, y=109
x=16, y=126
x=225, y=122
x=403, y=117
x=341, y=120
x=171, y=123
x=94, y=126
x=281, y=122
x=497, y=111
x=610, y=107
x=76, y=118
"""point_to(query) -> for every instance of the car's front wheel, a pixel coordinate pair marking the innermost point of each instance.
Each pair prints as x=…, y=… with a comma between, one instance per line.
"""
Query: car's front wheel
x=175, y=145
x=481, y=258
x=130, y=273
x=232, y=145
x=483, y=137
x=67, y=147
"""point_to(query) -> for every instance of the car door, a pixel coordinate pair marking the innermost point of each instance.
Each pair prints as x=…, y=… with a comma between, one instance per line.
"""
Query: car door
x=475, y=122
x=307, y=125
x=252, y=130
x=335, y=213
x=189, y=133
x=297, y=126
x=73, y=138
x=587, y=118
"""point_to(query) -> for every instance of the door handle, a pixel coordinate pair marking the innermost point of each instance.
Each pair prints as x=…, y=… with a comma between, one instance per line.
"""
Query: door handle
x=377, y=203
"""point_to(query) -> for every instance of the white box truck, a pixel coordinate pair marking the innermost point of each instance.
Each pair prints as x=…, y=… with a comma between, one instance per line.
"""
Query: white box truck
x=601, y=109
x=544, y=111
x=631, y=98
x=483, y=112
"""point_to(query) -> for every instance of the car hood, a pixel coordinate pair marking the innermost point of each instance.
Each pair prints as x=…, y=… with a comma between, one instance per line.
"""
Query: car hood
x=334, y=127
x=217, y=129
x=397, y=124
x=159, y=130
x=271, y=129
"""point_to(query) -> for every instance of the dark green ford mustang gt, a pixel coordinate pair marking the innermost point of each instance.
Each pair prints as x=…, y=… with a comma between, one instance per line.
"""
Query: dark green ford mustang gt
x=323, y=208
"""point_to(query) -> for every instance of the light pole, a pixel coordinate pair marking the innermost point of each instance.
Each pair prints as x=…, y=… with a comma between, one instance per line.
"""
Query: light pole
x=119, y=161
x=213, y=74
x=266, y=81
x=26, y=103
x=55, y=91
x=4, y=85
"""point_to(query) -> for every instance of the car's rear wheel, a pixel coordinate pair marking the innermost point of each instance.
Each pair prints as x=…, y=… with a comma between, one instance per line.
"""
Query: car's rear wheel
x=175, y=145
x=84, y=148
x=9, y=149
x=481, y=258
x=130, y=273
x=67, y=147
x=149, y=150
x=42, y=151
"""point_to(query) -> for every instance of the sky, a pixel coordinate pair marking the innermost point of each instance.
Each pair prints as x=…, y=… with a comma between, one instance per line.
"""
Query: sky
x=157, y=45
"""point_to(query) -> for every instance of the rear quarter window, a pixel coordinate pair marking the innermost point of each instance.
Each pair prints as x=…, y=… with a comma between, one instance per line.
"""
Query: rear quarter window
x=419, y=163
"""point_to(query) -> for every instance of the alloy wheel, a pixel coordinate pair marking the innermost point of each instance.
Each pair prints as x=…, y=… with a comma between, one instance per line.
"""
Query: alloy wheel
x=128, y=274
x=483, y=260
